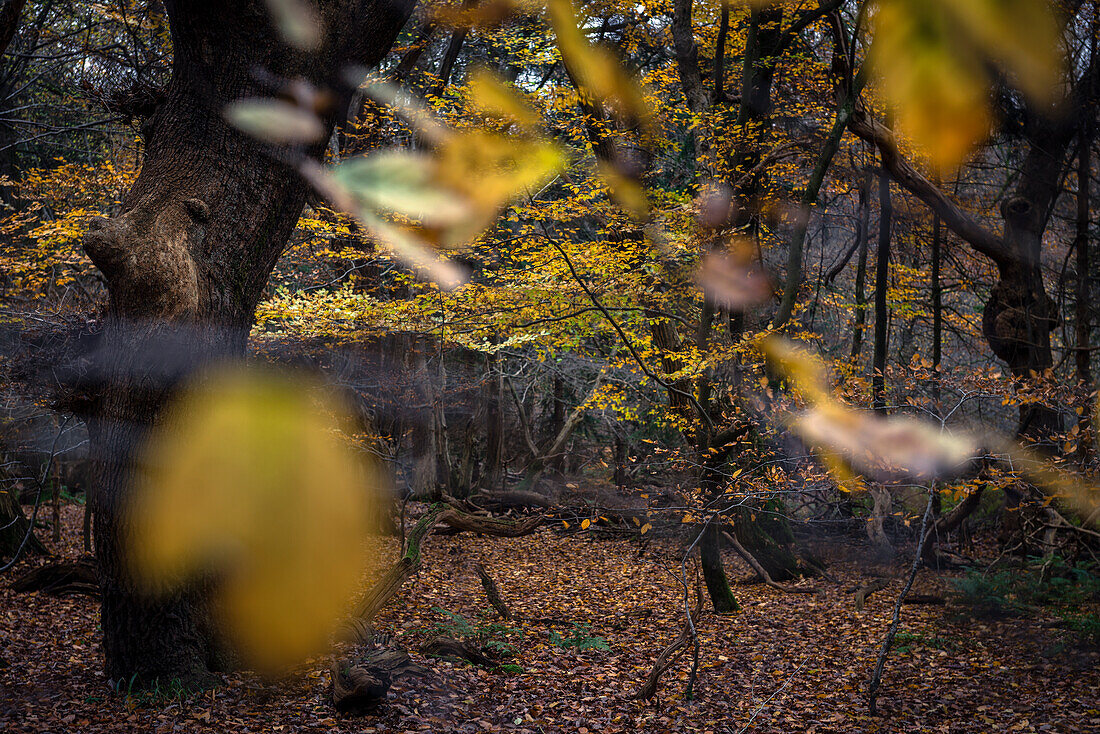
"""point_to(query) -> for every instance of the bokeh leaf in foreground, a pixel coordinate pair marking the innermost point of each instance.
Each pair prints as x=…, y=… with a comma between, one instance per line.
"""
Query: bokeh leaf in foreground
x=275, y=121
x=251, y=478
x=933, y=58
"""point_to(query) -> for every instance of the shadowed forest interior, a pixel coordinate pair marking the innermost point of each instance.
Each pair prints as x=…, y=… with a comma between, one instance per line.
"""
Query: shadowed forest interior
x=549, y=365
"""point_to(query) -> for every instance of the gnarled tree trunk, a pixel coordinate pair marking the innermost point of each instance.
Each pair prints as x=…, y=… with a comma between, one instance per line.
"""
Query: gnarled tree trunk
x=186, y=263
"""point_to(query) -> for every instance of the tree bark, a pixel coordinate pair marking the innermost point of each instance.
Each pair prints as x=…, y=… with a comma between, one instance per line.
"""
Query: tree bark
x=861, y=266
x=937, y=309
x=186, y=263
x=882, y=284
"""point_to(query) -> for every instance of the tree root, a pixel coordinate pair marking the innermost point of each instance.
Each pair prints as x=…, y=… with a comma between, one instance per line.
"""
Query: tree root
x=362, y=685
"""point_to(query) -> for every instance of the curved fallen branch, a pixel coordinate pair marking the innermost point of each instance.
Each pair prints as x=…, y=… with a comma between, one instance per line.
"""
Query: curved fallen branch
x=761, y=571
x=395, y=577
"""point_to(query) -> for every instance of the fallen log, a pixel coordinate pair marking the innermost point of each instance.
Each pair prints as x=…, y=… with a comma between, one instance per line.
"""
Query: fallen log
x=447, y=647
x=866, y=590
x=514, y=499
x=495, y=526
x=395, y=577
x=930, y=599
x=60, y=579
x=492, y=592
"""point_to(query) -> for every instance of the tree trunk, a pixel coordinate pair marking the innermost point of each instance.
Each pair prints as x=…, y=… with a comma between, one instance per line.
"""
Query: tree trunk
x=186, y=263
x=937, y=309
x=14, y=527
x=1084, y=173
x=861, y=266
x=882, y=284
x=714, y=573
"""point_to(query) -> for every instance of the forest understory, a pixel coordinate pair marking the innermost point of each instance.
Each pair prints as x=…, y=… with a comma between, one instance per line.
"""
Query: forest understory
x=785, y=662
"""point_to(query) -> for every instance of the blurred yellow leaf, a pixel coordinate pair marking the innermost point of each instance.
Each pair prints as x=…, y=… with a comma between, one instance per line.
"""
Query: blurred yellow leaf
x=493, y=96
x=585, y=523
x=625, y=190
x=646, y=528
x=936, y=83
x=933, y=58
x=249, y=479
x=491, y=169
x=596, y=69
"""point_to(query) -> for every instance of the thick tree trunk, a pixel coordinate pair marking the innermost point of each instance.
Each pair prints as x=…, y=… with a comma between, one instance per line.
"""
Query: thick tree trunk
x=186, y=263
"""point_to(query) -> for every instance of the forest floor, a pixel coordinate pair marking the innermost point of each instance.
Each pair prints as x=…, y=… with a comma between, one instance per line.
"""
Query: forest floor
x=785, y=663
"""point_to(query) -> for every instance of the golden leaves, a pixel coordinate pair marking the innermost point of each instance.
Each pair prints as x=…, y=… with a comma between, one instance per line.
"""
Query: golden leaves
x=248, y=478
x=416, y=201
x=933, y=58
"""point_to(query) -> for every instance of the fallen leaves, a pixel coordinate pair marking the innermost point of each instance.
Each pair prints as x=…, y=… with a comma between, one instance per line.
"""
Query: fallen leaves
x=53, y=659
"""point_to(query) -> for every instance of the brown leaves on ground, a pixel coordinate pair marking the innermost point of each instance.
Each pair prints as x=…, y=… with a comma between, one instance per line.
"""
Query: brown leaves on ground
x=800, y=663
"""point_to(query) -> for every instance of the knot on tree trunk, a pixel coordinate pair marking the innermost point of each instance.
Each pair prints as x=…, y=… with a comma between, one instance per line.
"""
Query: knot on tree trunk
x=1015, y=208
x=146, y=257
x=1014, y=319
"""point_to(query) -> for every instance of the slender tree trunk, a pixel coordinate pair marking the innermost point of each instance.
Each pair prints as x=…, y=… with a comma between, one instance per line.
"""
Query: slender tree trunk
x=882, y=284
x=186, y=263
x=494, y=429
x=937, y=309
x=450, y=56
x=1084, y=173
x=862, y=228
x=714, y=572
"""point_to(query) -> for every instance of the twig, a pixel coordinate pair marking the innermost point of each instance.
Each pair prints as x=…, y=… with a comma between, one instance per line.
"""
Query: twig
x=622, y=334
x=37, y=498
x=876, y=677
x=777, y=691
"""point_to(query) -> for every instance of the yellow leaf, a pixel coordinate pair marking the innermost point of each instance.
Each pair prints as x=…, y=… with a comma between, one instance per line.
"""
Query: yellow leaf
x=248, y=478
x=585, y=523
x=596, y=70
x=646, y=528
x=492, y=95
